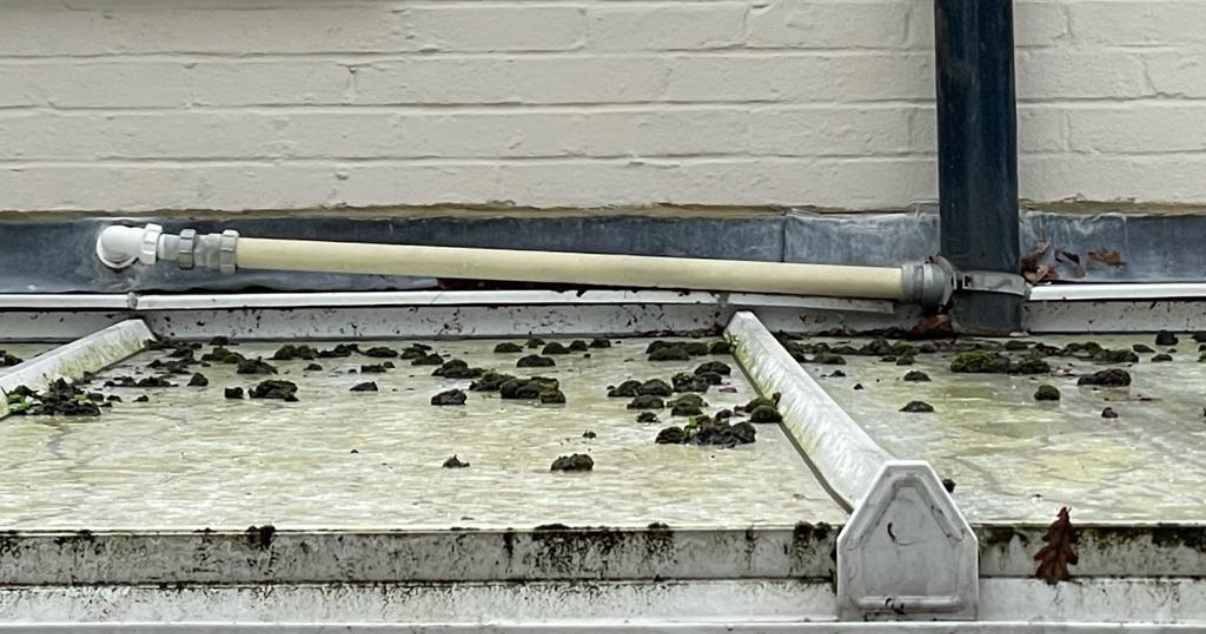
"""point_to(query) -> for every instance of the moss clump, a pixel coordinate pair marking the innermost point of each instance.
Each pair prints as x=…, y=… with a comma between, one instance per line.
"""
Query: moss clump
x=696, y=348
x=1109, y=413
x=720, y=347
x=255, y=366
x=367, y=386
x=1162, y=358
x=711, y=378
x=829, y=358
x=627, y=389
x=1014, y=345
x=233, y=393
x=276, y=389
x=671, y=436
x=457, y=369
x=715, y=367
x=1142, y=348
x=600, y=342
x=877, y=348
x=705, y=431
x=8, y=360
x=670, y=353
x=647, y=401
x=765, y=414
x=685, y=409
x=60, y=398
x=313, y=367
x=1116, y=356
x=575, y=462
x=222, y=355
x=508, y=347
x=646, y=417
x=372, y=369
x=758, y=402
x=905, y=360
x=578, y=345
x=980, y=362
x=535, y=361
x=915, y=376
x=1046, y=393
x=455, y=463
x=1030, y=365
x=534, y=343
x=289, y=352
x=449, y=397
x=198, y=380
x=684, y=382
x=1107, y=378
x=552, y=397
x=554, y=348
x=490, y=381
x=381, y=352
x=339, y=351
x=917, y=407
x=690, y=399
x=655, y=387
x=1166, y=338
x=428, y=359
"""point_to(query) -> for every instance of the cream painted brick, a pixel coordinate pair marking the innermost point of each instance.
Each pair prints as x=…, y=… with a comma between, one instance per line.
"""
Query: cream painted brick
x=599, y=183
x=1177, y=74
x=518, y=80
x=149, y=29
x=1130, y=130
x=829, y=23
x=71, y=84
x=517, y=27
x=1041, y=128
x=246, y=83
x=146, y=188
x=803, y=78
x=679, y=26
x=1139, y=23
x=838, y=131
x=1171, y=178
x=31, y=136
x=1035, y=24
x=1053, y=74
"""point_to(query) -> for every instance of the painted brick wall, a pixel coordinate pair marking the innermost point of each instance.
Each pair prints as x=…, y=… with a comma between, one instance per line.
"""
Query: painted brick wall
x=137, y=105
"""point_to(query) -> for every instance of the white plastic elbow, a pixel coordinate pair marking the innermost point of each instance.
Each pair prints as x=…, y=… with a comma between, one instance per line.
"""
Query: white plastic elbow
x=119, y=247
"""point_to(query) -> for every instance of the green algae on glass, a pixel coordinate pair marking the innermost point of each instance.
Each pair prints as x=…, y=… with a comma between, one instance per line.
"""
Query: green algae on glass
x=191, y=459
x=1019, y=460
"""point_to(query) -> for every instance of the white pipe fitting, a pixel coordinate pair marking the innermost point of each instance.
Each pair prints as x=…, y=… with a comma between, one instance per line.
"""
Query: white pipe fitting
x=118, y=247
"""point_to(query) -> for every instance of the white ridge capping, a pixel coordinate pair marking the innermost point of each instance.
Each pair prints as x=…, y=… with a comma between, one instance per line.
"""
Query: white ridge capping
x=91, y=353
x=906, y=552
x=846, y=458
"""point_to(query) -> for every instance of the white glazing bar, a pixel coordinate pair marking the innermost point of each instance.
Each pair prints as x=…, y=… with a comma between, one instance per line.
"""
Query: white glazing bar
x=1116, y=292
x=846, y=458
x=88, y=354
x=63, y=301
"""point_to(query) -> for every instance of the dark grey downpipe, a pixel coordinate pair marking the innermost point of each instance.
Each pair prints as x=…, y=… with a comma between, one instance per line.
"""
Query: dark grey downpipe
x=977, y=160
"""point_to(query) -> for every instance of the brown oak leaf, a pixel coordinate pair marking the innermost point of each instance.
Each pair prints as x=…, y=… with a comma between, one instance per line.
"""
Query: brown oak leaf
x=1107, y=257
x=1055, y=557
x=1030, y=259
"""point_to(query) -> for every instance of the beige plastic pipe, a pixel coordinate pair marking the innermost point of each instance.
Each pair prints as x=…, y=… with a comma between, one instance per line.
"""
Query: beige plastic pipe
x=572, y=268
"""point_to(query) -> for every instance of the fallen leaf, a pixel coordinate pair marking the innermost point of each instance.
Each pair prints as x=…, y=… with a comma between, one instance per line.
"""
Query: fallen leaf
x=933, y=324
x=1030, y=259
x=1107, y=257
x=1078, y=269
x=1044, y=272
x=1058, y=554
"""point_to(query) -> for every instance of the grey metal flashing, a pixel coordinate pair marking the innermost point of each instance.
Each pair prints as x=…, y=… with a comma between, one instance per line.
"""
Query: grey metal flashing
x=57, y=255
